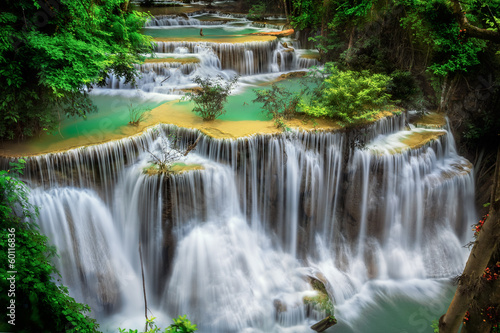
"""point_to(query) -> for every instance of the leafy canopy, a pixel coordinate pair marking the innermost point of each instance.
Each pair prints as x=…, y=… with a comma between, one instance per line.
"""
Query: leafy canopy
x=51, y=51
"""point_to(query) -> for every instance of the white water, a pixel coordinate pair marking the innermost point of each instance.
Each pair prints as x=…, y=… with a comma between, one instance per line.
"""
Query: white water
x=237, y=238
x=228, y=59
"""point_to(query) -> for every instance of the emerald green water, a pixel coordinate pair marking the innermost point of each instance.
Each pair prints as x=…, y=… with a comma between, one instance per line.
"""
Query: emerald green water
x=113, y=112
x=388, y=308
x=241, y=107
x=189, y=32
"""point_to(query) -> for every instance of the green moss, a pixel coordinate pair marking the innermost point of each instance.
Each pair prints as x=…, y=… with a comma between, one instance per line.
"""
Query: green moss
x=175, y=168
x=321, y=302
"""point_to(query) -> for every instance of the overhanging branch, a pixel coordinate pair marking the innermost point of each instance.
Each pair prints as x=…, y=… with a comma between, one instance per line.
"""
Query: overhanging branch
x=472, y=30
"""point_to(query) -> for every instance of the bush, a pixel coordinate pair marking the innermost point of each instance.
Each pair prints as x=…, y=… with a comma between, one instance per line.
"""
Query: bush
x=279, y=103
x=137, y=114
x=349, y=96
x=211, y=96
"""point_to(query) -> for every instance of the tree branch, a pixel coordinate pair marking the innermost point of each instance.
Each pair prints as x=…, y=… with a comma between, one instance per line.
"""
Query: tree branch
x=472, y=30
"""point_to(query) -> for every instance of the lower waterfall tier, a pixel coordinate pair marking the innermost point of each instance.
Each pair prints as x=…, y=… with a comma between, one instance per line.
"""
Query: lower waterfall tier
x=231, y=244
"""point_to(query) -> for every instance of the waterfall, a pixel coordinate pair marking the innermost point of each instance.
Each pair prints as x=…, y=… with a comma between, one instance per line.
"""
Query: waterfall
x=170, y=77
x=230, y=245
x=168, y=20
x=231, y=55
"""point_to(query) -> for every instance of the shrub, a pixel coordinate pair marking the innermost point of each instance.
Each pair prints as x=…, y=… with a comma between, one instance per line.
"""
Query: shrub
x=349, y=96
x=211, y=96
x=137, y=114
x=279, y=103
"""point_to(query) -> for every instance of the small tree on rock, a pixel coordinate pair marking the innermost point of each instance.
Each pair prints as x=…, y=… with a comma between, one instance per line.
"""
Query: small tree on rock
x=211, y=96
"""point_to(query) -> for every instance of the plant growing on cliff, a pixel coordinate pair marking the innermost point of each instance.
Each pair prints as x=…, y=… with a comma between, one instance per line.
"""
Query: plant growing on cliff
x=210, y=98
x=167, y=154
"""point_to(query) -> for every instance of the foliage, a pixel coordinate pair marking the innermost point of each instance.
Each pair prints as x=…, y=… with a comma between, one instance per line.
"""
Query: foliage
x=211, y=96
x=41, y=304
x=322, y=302
x=433, y=23
x=306, y=14
x=137, y=114
x=52, y=52
x=404, y=90
x=14, y=194
x=435, y=326
x=278, y=102
x=180, y=325
x=349, y=96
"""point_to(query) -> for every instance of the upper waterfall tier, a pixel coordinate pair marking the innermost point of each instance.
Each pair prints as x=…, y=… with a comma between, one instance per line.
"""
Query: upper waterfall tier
x=185, y=60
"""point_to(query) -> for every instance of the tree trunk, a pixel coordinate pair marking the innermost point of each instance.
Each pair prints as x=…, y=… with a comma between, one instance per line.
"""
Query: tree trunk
x=470, y=281
x=324, y=19
x=286, y=11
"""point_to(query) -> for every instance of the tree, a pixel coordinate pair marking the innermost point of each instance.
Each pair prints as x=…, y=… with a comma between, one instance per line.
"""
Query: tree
x=53, y=51
x=170, y=153
x=472, y=30
x=210, y=98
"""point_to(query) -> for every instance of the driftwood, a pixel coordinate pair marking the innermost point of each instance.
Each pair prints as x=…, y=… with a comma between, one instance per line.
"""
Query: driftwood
x=324, y=324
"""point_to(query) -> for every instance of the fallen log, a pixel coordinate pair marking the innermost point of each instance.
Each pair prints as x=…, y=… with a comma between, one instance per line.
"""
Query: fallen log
x=284, y=33
x=324, y=324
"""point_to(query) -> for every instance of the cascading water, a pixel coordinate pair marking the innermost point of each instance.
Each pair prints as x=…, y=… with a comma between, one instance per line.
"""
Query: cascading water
x=231, y=245
x=185, y=60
